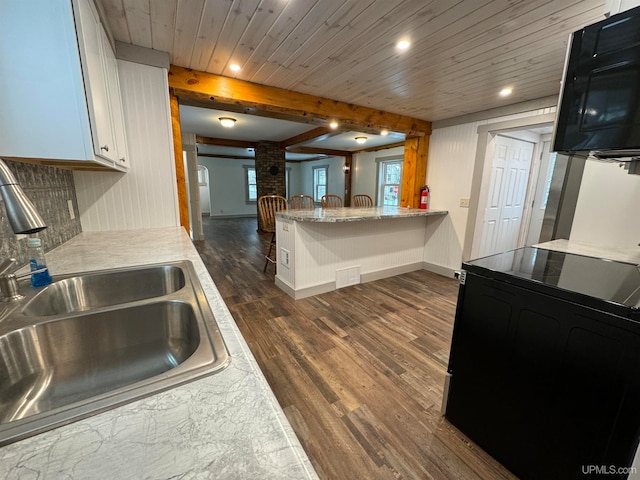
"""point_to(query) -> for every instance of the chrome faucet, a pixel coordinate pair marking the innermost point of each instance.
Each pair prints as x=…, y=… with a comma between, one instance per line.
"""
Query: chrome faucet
x=23, y=218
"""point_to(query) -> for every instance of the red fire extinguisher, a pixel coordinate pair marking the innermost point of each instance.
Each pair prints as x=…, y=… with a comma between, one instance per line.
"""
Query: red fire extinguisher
x=424, y=197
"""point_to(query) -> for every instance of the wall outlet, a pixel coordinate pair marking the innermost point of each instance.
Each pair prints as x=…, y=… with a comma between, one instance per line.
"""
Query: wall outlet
x=285, y=226
x=464, y=202
x=72, y=213
x=284, y=257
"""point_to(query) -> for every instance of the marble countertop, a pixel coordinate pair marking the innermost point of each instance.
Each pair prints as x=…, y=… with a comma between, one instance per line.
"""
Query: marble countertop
x=354, y=214
x=224, y=426
x=619, y=254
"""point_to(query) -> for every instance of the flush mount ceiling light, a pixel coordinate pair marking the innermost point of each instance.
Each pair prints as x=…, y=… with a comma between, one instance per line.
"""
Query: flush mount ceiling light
x=227, y=122
x=234, y=67
x=333, y=124
x=505, y=92
x=403, y=44
x=361, y=140
x=384, y=132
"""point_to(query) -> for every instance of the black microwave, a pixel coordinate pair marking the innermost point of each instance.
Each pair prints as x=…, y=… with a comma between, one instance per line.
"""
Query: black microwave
x=599, y=107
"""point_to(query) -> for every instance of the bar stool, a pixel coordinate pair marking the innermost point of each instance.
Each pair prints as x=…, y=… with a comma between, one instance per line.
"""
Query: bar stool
x=268, y=205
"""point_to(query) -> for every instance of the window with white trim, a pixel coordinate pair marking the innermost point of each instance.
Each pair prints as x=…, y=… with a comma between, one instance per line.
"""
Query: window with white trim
x=251, y=186
x=320, y=181
x=389, y=182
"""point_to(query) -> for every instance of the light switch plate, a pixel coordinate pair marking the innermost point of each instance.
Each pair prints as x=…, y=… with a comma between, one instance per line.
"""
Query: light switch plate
x=464, y=202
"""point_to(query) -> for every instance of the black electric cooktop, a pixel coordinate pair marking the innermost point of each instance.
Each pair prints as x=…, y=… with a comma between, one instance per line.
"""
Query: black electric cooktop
x=603, y=284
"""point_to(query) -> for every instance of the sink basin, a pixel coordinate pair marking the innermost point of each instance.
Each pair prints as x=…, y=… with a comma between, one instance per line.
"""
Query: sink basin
x=92, y=341
x=100, y=289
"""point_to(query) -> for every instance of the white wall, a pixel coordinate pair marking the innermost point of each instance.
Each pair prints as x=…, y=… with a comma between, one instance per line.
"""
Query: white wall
x=364, y=175
x=451, y=161
x=227, y=189
x=145, y=196
x=607, y=209
x=336, y=176
x=295, y=178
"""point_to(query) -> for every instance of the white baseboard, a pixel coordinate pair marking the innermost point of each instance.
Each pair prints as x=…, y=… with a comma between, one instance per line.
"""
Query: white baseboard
x=304, y=292
x=439, y=269
x=390, y=272
x=364, y=278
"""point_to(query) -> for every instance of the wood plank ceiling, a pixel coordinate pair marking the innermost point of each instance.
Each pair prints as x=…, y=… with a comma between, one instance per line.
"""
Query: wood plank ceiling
x=462, y=52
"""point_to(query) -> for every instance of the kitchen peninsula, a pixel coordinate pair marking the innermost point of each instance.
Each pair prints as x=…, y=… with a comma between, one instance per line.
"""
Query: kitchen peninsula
x=323, y=249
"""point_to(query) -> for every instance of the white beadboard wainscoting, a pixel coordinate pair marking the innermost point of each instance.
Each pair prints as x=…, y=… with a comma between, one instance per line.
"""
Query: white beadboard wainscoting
x=321, y=253
x=145, y=196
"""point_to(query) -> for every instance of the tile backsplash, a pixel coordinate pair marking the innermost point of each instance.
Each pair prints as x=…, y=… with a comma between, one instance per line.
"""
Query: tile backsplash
x=49, y=189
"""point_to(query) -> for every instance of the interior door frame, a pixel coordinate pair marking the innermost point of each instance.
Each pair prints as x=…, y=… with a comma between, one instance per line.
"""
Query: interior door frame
x=485, y=133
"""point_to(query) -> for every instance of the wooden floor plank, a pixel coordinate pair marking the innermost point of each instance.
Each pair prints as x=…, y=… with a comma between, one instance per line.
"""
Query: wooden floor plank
x=359, y=372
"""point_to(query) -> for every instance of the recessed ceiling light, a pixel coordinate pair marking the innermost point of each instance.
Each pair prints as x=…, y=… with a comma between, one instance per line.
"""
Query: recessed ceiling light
x=227, y=122
x=361, y=140
x=384, y=132
x=403, y=44
x=333, y=124
x=234, y=67
x=505, y=92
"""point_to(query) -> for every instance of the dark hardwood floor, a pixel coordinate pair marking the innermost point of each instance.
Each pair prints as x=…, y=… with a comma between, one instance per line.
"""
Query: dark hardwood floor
x=359, y=372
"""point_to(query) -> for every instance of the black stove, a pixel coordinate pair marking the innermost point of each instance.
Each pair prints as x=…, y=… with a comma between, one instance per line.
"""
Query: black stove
x=605, y=285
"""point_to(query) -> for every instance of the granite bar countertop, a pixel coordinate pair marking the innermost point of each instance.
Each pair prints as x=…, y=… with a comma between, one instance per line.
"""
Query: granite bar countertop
x=354, y=214
x=224, y=426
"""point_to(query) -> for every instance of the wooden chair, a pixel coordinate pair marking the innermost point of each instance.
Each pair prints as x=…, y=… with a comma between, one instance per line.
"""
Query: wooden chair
x=331, y=201
x=302, y=202
x=268, y=205
x=362, y=200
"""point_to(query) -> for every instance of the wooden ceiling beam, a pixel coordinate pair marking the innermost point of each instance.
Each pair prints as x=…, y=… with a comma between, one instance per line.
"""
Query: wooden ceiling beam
x=381, y=147
x=325, y=151
x=319, y=133
x=225, y=142
x=233, y=157
x=201, y=86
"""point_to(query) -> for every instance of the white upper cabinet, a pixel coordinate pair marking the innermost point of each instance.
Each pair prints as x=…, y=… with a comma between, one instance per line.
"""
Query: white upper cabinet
x=59, y=88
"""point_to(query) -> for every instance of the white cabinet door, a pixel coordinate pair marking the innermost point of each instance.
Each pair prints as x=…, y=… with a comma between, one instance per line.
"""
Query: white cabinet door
x=90, y=33
x=43, y=110
x=115, y=103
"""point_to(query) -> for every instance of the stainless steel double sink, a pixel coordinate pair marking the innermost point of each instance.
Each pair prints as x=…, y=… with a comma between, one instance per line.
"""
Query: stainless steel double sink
x=91, y=341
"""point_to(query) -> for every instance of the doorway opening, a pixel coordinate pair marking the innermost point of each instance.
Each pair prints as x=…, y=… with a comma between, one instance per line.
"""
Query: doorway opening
x=510, y=186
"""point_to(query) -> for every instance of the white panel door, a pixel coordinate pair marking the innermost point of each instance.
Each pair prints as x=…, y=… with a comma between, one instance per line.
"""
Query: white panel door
x=507, y=190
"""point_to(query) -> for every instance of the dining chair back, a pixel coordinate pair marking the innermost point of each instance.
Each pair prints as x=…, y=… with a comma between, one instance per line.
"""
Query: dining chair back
x=362, y=200
x=268, y=205
x=331, y=201
x=302, y=202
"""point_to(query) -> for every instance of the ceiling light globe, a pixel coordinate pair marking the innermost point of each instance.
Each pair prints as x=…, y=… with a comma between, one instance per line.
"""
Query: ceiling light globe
x=227, y=122
x=361, y=140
